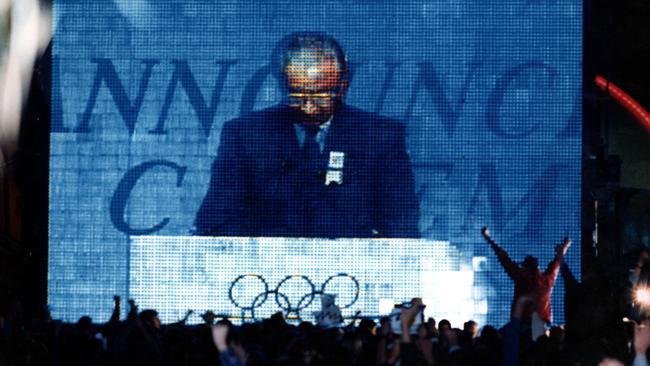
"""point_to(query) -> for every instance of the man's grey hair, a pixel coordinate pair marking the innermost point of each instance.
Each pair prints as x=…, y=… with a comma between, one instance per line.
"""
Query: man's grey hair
x=293, y=43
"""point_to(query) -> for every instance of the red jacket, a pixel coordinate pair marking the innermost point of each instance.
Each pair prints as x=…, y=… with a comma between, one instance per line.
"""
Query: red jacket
x=535, y=282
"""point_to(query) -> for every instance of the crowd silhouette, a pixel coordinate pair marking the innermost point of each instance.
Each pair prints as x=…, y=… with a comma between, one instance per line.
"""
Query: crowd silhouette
x=606, y=324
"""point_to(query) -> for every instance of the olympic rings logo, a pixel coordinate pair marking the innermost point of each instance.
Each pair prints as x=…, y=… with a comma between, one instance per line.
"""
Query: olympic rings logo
x=282, y=300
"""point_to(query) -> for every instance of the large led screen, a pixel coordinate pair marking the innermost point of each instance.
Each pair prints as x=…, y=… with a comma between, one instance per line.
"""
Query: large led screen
x=484, y=96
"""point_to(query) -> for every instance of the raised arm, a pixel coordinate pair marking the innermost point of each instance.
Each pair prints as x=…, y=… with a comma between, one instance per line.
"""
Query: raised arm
x=408, y=350
x=115, y=317
x=133, y=311
x=508, y=264
x=560, y=251
x=229, y=354
x=183, y=321
x=641, y=343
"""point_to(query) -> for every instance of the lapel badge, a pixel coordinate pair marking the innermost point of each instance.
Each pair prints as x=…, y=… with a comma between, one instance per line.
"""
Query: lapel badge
x=333, y=176
x=337, y=159
x=335, y=168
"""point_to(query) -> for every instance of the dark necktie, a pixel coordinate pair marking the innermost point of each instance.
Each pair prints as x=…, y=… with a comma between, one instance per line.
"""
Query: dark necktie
x=311, y=149
x=313, y=178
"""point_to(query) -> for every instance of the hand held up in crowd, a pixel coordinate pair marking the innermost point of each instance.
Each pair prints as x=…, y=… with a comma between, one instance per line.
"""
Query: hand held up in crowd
x=408, y=318
x=641, y=342
x=561, y=249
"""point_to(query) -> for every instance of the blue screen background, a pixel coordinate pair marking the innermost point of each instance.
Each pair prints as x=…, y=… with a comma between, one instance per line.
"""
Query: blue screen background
x=489, y=92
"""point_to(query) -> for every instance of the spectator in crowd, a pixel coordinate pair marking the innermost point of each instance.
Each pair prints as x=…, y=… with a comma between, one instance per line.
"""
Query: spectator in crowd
x=432, y=329
x=529, y=279
x=470, y=327
x=443, y=326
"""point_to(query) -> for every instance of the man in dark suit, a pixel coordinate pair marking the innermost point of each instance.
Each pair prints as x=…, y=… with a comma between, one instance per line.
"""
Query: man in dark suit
x=311, y=166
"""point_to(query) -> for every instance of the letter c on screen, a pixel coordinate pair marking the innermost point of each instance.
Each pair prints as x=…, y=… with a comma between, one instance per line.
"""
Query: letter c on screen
x=123, y=191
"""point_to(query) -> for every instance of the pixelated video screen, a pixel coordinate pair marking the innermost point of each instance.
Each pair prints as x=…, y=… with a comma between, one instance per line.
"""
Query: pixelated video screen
x=457, y=115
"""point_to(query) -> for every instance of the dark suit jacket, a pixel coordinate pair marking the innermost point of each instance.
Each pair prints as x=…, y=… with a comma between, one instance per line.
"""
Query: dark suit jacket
x=258, y=188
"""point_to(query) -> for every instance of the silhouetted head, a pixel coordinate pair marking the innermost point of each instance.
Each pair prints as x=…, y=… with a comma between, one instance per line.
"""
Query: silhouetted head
x=471, y=328
x=530, y=263
x=208, y=317
x=150, y=318
x=431, y=326
x=367, y=326
x=84, y=325
x=443, y=325
x=490, y=336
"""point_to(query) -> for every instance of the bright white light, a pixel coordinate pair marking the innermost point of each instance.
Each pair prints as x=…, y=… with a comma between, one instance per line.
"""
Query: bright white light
x=448, y=294
x=29, y=33
x=385, y=306
x=642, y=296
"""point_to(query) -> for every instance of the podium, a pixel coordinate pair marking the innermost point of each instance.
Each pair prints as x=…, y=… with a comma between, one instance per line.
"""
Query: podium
x=252, y=278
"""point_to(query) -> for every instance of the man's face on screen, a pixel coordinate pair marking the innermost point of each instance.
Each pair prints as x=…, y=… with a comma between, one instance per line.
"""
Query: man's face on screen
x=315, y=85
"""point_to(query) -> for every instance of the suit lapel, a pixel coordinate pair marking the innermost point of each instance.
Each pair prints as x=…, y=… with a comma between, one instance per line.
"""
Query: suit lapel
x=284, y=132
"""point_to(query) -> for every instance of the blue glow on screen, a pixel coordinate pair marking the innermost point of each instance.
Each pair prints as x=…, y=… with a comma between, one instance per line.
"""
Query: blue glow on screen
x=489, y=93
